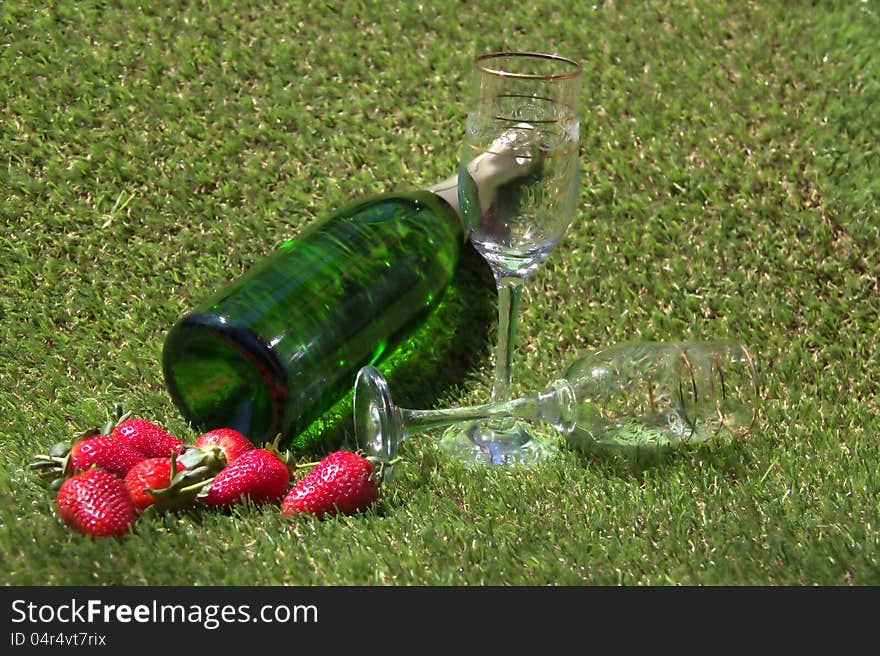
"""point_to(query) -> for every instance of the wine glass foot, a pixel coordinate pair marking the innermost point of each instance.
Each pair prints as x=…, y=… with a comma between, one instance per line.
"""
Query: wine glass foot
x=378, y=428
x=505, y=443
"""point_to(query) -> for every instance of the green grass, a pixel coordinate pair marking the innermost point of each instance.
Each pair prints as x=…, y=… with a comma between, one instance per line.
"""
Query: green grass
x=730, y=187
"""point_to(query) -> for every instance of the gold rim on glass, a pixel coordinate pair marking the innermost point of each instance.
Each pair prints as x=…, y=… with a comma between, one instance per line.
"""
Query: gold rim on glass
x=566, y=75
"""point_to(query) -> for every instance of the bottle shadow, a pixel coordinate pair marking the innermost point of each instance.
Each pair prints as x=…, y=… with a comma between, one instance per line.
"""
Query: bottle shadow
x=454, y=340
x=436, y=358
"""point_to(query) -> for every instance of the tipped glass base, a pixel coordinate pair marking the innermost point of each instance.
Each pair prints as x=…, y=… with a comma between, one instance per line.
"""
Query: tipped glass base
x=499, y=442
x=378, y=426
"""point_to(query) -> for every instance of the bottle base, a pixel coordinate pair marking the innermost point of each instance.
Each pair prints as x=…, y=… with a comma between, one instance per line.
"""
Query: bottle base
x=220, y=376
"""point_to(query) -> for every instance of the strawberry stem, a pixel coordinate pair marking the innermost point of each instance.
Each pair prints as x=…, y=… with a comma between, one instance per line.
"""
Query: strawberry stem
x=116, y=418
x=373, y=461
x=197, y=486
x=304, y=465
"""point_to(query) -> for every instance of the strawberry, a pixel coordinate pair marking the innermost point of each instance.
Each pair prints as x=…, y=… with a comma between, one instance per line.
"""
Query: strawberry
x=259, y=475
x=146, y=437
x=213, y=451
x=343, y=482
x=104, y=452
x=96, y=503
x=90, y=449
x=156, y=481
x=229, y=441
x=116, y=448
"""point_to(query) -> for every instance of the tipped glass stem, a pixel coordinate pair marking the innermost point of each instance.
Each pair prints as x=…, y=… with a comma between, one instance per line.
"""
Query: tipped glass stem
x=544, y=407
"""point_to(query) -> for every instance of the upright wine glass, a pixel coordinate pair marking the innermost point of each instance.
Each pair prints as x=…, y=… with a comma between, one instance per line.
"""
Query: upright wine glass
x=524, y=112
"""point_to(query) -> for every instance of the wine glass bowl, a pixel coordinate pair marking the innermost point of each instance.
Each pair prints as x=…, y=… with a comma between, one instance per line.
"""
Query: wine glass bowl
x=524, y=111
x=650, y=394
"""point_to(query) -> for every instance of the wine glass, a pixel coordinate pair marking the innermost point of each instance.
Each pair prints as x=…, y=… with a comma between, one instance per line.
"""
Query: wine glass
x=632, y=397
x=524, y=112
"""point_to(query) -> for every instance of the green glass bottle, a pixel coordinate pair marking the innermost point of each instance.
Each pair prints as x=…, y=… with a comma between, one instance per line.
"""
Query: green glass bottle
x=274, y=350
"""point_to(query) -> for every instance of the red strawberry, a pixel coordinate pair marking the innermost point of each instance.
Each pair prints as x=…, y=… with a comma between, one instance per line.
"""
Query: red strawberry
x=215, y=450
x=258, y=474
x=146, y=437
x=96, y=503
x=342, y=482
x=90, y=449
x=153, y=475
x=104, y=452
x=230, y=442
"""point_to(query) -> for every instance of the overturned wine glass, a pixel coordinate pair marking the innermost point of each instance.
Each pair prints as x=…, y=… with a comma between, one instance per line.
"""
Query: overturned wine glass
x=632, y=395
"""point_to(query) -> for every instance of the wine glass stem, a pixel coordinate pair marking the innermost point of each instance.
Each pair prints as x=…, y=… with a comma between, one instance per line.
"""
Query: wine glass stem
x=510, y=290
x=531, y=407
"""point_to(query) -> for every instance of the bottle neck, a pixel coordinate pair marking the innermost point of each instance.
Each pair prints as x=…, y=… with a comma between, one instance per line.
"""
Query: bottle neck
x=448, y=191
x=501, y=162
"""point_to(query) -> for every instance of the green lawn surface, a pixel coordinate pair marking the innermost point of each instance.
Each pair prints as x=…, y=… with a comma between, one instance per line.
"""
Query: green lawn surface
x=152, y=152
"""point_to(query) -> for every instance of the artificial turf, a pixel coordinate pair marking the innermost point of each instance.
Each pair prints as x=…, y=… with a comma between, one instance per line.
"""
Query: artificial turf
x=730, y=175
